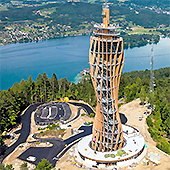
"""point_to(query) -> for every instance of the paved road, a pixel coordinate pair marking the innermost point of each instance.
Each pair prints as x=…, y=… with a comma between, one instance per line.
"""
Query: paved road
x=58, y=145
x=87, y=108
x=68, y=141
x=52, y=154
x=74, y=118
x=25, y=130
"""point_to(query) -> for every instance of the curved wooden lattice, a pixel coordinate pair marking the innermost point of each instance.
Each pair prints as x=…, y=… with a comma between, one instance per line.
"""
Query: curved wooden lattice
x=106, y=59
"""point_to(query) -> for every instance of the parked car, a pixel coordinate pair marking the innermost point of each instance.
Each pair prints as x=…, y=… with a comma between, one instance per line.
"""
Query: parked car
x=140, y=118
x=31, y=158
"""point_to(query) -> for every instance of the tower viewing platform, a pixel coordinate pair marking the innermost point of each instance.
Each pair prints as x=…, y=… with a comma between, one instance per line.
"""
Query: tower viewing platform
x=105, y=29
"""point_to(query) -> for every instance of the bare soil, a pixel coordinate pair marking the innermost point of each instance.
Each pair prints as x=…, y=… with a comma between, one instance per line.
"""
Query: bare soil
x=76, y=124
x=51, y=134
x=132, y=111
x=9, y=142
x=12, y=158
x=74, y=111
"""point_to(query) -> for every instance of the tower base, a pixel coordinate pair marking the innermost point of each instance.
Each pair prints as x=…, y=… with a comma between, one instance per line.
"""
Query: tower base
x=133, y=151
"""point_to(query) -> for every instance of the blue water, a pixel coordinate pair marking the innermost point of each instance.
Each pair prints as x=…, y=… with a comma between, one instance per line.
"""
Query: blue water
x=67, y=57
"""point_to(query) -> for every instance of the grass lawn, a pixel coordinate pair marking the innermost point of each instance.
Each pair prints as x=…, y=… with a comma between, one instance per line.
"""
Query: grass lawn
x=140, y=30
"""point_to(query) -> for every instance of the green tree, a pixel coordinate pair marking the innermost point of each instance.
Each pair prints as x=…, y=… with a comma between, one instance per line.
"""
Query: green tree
x=151, y=99
x=30, y=89
x=9, y=167
x=54, y=85
x=142, y=95
x=44, y=165
x=76, y=93
x=2, y=166
x=1, y=141
x=165, y=109
x=130, y=92
x=167, y=125
x=45, y=81
x=92, y=115
x=39, y=87
x=24, y=166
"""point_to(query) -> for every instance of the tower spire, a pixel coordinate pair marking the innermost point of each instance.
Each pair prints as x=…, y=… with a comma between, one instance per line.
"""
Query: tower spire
x=105, y=14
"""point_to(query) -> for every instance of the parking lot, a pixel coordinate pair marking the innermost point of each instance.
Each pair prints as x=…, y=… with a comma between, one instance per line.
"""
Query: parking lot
x=51, y=112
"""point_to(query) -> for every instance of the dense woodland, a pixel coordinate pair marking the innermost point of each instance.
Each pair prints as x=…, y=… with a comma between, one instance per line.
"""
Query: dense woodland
x=133, y=85
x=139, y=40
x=27, y=24
x=74, y=14
x=159, y=3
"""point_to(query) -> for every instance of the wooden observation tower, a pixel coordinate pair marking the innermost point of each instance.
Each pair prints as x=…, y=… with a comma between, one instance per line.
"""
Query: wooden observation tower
x=106, y=57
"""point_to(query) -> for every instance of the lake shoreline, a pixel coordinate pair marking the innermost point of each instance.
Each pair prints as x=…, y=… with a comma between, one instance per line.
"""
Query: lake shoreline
x=46, y=39
x=66, y=57
x=77, y=35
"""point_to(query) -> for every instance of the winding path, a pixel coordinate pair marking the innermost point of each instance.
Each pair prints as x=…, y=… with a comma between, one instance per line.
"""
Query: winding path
x=25, y=130
x=59, y=148
x=85, y=107
x=51, y=153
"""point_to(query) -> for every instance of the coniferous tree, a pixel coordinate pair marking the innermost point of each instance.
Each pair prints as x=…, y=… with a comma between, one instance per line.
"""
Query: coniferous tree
x=142, y=95
x=44, y=165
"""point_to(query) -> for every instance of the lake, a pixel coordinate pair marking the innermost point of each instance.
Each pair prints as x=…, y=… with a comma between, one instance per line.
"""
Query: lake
x=67, y=57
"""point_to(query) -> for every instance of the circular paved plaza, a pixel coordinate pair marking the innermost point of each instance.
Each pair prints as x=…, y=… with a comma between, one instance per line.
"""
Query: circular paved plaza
x=132, y=150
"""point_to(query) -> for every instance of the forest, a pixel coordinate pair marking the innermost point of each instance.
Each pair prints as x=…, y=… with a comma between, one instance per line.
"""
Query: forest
x=138, y=40
x=37, y=23
x=74, y=14
x=135, y=84
x=159, y=3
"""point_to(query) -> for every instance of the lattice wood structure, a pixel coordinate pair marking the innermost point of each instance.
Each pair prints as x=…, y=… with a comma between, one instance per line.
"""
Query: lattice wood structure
x=106, y=57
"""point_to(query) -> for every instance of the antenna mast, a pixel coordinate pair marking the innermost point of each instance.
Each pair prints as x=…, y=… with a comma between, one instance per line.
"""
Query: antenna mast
x=151, y=81
x=151, y=73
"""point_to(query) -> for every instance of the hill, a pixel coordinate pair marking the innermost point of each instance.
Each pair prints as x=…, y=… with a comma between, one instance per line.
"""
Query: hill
x=75, y=13
x=24, y=23
x=133, y=85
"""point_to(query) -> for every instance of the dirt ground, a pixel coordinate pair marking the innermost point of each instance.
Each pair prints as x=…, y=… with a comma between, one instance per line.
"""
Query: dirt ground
x=65, y=164
x=9, y=142
x=74, y=111
x=132, y=111
x=12, y=158
x=76, y=124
